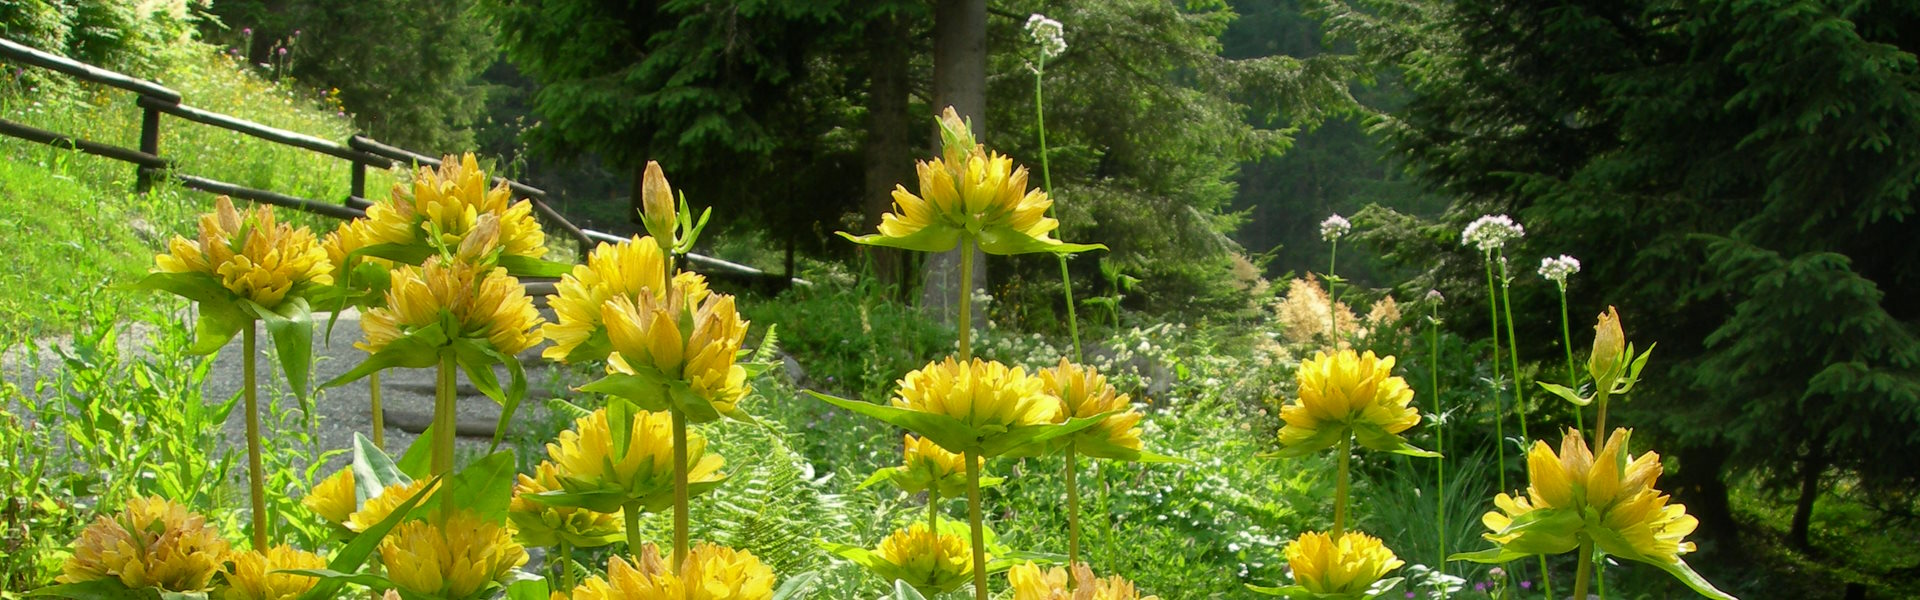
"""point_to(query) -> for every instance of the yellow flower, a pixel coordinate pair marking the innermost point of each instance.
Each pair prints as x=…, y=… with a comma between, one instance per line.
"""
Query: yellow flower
x=973, y=194
x=927, y=465
x=648, y=333
x=623, y=270
x=1349, y=565
x=540, y=524
x=333, y=498
x=982, y=394
x=588, y=462
x=657, y=207
x=1031, y=583
x=1634, y=520
x=1609, y=359
x=251, y=255
x=254, y=576
x=485, y=303
x=710, y=573
x=378, y=508
x=153, y=543
x=1084, y=392
x=451, y=558
x=932, y=564
x=448, y=202
x=1349, y=392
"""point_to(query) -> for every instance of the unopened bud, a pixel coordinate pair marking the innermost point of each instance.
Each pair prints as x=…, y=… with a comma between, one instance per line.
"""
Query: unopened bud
x=1609, y=350
x=657, y=207
x=481, y=240
x=956, y=138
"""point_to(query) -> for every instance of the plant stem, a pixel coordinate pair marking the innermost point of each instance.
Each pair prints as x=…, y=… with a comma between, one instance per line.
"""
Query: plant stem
x=966, y=298
x=443, y=415
x=1046, y=182
x=1585, y=570
x=1340, y=492
x=933, y=510
x=1600, y=577
x=255, y=485
x=1600, y=424
x=1440, y=441
x=1499, y=410
x=1513, y=352
x=1333, y=296
x=631, y=512
x=679, y=490
x=1073, y=506
x=379, y=415
x=565, y=556
x=1566, y=341
x=973, y=519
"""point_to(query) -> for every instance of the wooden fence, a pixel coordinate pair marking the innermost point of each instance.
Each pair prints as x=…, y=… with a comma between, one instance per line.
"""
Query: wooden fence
x=359, y=151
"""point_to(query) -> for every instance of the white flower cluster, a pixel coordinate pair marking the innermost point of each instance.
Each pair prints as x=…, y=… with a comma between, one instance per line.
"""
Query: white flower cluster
x=1048, y=34
x=1491, y=232
x=1559, y=269
x=1334, y=228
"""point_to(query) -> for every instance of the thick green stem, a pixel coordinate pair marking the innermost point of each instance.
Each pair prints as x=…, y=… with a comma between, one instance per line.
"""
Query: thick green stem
x=1585, y=570
x=443, y=415
x=679, y=490
x=1600, y=423
x=1439, y=441
x=933, y=510
x=1046, y=182
x=564, y=556
x=1499, y=408
x=966, y=298
x=1340, y=492
x=974, y=521
x=1566, y=341
x=1073, y=506
x=256, y=484
x=379, y=415
x=1600, y=578
x=631, y=512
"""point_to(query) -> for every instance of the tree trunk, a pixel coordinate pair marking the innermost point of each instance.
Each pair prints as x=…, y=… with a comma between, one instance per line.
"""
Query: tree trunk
x=960, y=81
x=1811, y=467
x=889, y=153
x=1698, y=485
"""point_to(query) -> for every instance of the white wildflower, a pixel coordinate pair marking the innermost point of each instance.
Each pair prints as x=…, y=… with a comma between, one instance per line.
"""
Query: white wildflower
x=1048, y=34
x=1334, y=228
x=1491, y=232
x=1558, y=269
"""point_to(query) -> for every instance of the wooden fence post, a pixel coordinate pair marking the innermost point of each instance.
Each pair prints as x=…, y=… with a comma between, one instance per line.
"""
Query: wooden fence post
x=357, y=189
x=150, y=144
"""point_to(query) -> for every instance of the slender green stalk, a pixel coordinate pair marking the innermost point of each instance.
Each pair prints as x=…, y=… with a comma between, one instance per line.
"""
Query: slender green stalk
x=631, y=512
x=966, y=298
x=1519, y=405
x=1600, y=577
x=1439, y=441
x=1106, y=537
x=1340, y=492
x=933, y=510
x=679, y=490
x=1585, y=570
x=379, y=416
x=256, y=485
x=1499, y=407
x=974, y=521
x=1566, y=341
x=565, y=556
x=1073, y=506
x=1600, y=424
x=1046, y=182
x=1333, y=296
x=443, y=415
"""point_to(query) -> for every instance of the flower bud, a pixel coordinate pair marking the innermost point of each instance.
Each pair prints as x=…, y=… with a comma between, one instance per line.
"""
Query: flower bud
x=1609, y=350
x=657, y=211
x=481, y=241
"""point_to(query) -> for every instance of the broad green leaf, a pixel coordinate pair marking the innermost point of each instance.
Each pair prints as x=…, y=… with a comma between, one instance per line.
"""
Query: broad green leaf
x=201, y=288
x=349, y=559
x=485, y=487
x=696, y=409
x=410, y=254
x=1322, y=439
x=600, y=501
x=1546, y=531
x=291, y=328
x=1373, y=437
x=527, y=266
x=218, y=323
x=646, y=388
x=1566, y=393
x=364, y=579
x=929, y=239
x=1490, y=556
x=1004, y=240
x=417, y=461
x=417, y=350
x=902, y=591
x=792, y=589
x=372, y=470
x=1686, y=575
x=534, y=588
x=595, y=347
x=98, y=589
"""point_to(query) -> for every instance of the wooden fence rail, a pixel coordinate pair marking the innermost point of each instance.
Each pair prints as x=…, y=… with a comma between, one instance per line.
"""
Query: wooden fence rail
x=361, y=152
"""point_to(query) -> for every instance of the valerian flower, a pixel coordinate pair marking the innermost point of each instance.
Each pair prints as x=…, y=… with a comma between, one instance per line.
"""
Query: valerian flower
x=969, y=194
x=1349, y=394
x=1491, y=232
x=1559, y=269
x=1048, y=34
x=1334, y=228
x=153, y=543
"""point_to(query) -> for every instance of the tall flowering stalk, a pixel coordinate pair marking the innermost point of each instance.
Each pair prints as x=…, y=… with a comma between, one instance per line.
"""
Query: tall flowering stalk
x=1439, y=427
x=1490, y=234
x=246, y=268
x=1558, y=270
x=1049, y=37
x=1331, y=230
x=362, y=288
x=971, y=197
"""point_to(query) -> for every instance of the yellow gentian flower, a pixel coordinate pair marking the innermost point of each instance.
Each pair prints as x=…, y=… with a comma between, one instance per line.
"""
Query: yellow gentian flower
x=926, y=466
x=988, y=402
x=378, y=508
x=1030, y=582
x=333, y=498
x=1634, y=519
x=154, y=542
x=540, y=524
x=931, y=563
x=657, y=207
x=254, y=575
x=448, y=202
x=1084, y=392
x=1349, y=565
x=969, y=194
x=647, y=334
x=710, y=573
x=1346, y=393
x=254, y=257
x=623, y=270
x=454, y=557
x=484, y=302
x=589, y=465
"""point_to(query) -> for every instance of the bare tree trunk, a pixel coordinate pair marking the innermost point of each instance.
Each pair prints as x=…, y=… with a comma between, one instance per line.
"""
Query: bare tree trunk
x=960, y=81
x=1811, y=467
x=1698, y=485
x=889, y=159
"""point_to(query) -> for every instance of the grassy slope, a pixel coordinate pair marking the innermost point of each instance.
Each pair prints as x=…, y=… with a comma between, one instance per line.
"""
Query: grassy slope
x=66, y=219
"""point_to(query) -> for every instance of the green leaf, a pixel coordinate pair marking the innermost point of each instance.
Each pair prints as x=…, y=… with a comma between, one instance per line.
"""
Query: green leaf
x=595, y=347
x=1373, y=437
x=696, y=409
x=1322, y=439
x=98, y=589
x=600, y=501
x=201, y=288
x=409, y=254
x=646, y=388
x=529, y=589
x=1679, y=569
x=929, y=239
x=1490, y=556
x=1566, y=393
x=372, y=470
x=218, y=323
x=902, y=591
x=417, y=461
x=1288, y=591
x=364, y=579
x=417, y=350
x=355, y=553
x=291, y=328
x=485, y=487
x=791, y=590
x=1004, y=240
